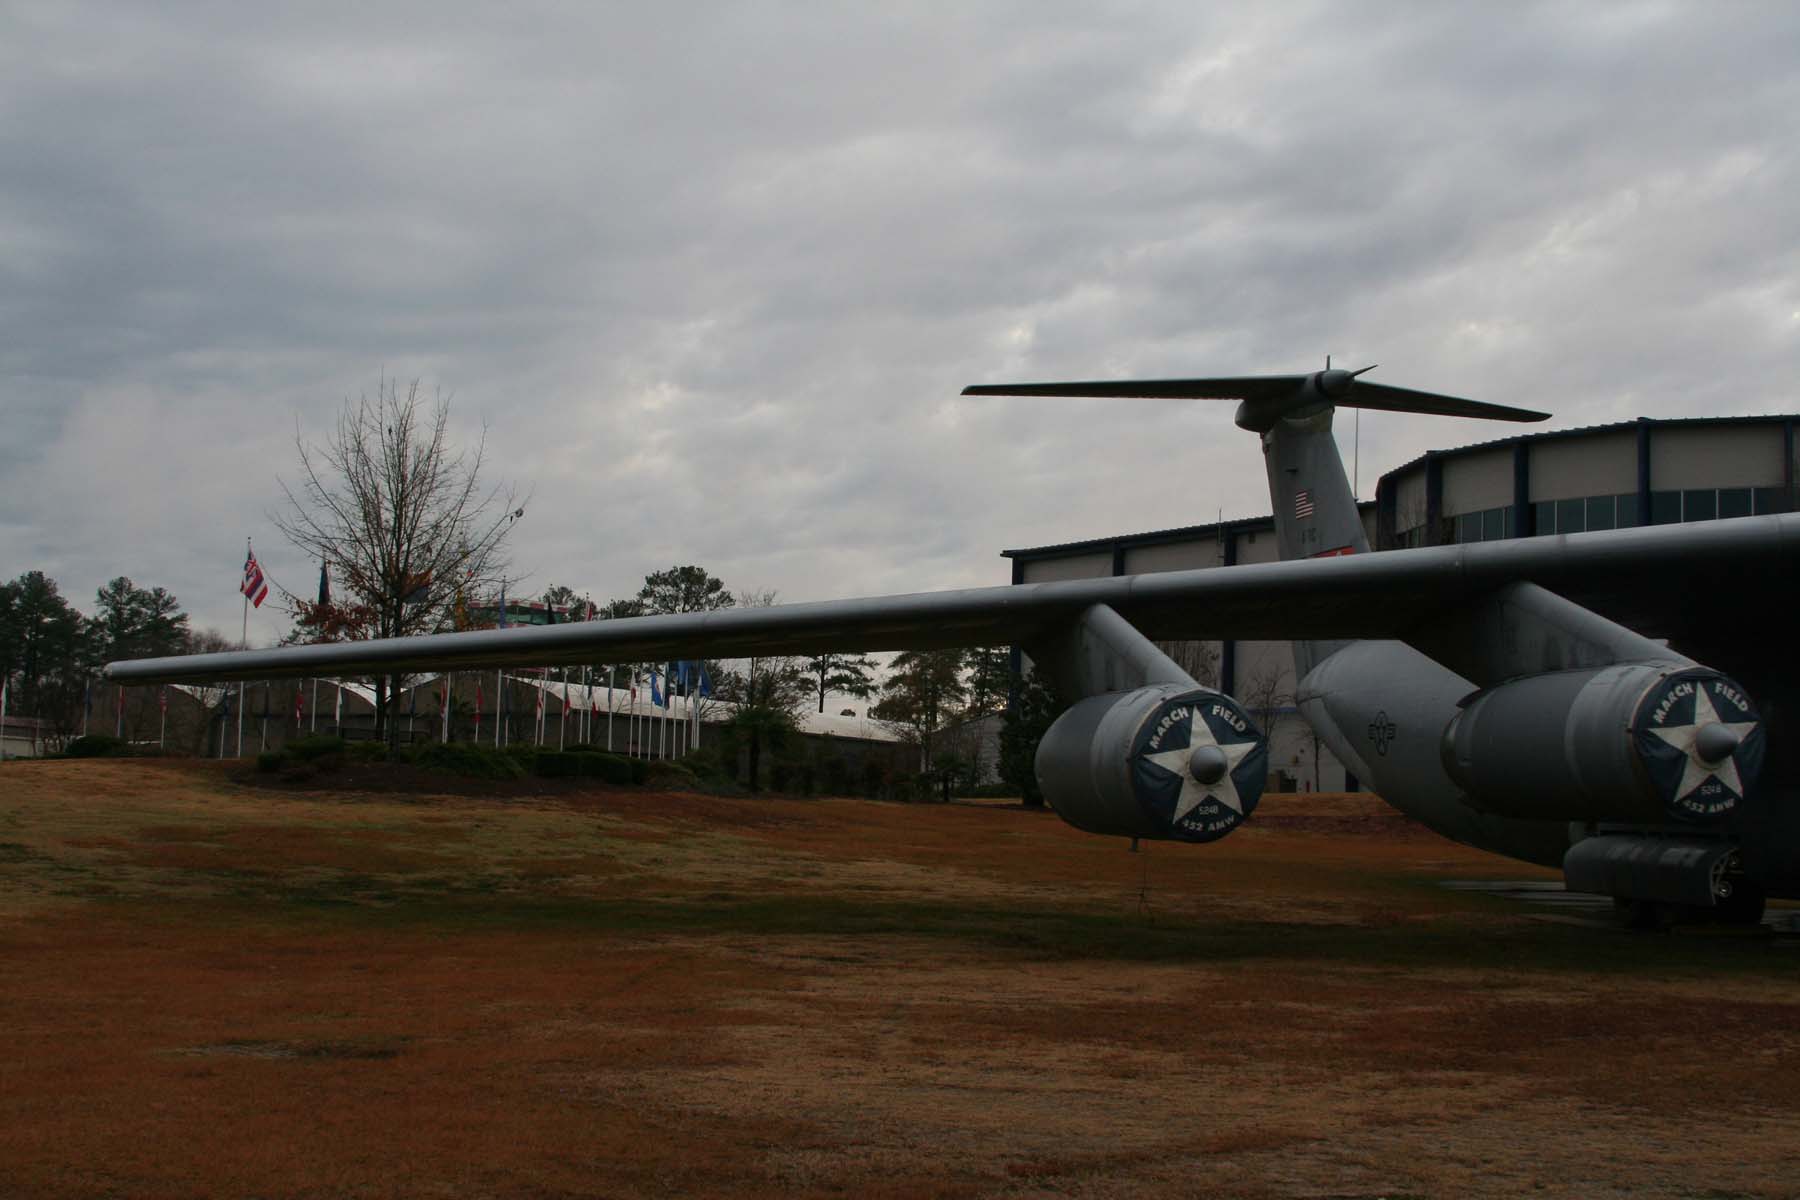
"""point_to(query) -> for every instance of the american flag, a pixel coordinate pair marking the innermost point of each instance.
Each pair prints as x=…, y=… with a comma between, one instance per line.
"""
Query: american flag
x=254, y=586
x=1303, y=505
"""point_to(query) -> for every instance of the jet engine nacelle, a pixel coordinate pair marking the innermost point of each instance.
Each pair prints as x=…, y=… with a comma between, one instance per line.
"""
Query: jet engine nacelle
x=1171, y=761
x=1633, y=742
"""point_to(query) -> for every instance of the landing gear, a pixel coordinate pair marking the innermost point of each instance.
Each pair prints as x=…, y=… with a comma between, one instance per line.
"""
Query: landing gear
x=1645, y=915
x=1742, y=905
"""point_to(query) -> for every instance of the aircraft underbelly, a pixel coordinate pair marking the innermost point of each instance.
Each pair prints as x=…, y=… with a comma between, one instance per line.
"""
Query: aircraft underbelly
x=1382, y=708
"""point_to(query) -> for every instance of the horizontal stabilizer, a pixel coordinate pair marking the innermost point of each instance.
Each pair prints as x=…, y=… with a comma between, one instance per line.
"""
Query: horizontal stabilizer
x=1243, y=387
x=1266, y=395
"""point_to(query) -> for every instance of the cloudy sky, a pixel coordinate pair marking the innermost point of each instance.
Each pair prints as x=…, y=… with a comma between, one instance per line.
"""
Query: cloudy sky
x=712, y=276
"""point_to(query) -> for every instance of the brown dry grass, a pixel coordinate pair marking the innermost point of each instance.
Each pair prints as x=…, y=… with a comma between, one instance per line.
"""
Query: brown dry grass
x=213, y=990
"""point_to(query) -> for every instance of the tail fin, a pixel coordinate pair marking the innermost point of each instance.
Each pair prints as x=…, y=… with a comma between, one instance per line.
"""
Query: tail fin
x=1315, y=511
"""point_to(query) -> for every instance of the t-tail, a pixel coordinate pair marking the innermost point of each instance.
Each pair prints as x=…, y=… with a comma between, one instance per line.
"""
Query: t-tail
x=1315, y=511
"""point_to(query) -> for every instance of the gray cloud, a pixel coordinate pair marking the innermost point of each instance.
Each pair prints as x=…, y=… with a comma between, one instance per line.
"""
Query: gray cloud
x=712, y=281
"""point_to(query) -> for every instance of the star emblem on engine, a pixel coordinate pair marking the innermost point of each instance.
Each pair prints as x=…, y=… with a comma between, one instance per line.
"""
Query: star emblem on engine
x=1179, y=763
x=1691, y=741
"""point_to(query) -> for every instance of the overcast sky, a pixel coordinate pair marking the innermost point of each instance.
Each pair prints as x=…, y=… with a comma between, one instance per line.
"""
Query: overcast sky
x=712, y=280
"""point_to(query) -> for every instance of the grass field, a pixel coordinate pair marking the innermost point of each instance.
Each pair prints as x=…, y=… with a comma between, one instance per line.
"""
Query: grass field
x=215, y=989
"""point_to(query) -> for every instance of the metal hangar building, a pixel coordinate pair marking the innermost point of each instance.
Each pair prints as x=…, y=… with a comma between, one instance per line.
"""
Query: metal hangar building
x=1642, y=472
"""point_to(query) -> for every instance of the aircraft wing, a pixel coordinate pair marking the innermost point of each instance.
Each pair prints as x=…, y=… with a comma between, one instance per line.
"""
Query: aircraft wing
x=1672, y=581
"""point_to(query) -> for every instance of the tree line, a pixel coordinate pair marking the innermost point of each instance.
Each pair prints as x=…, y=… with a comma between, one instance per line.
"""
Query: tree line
x=50, y=652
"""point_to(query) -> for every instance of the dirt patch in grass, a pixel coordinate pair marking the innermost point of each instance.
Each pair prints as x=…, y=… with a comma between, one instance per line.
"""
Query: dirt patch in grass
x=216, y=990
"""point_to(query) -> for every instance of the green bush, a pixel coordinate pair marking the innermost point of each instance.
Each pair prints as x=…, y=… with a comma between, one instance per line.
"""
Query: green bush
x=557, y=764
x=315, y=747
x=96, y=745
x=672, y=774
x=523, y=753
x=998, y=790
x=464, y=758
x=608, y=768
x=640, y=770
x=366, y=752
x=270, y=761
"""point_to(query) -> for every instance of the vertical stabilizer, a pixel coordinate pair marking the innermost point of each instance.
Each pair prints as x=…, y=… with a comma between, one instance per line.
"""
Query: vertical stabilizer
x=1315, y=511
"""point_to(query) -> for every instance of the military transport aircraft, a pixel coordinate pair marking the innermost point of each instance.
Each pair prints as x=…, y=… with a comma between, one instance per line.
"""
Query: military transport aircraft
x=1581, y=701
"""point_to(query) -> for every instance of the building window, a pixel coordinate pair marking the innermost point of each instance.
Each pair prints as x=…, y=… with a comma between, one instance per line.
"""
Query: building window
x=1701, y=504
x=1488, y=525
x=1628, y=510
x=1771, y=500
x=1571, y=516
x=1600, y=512
x=1665, y=508
x=1734, y=502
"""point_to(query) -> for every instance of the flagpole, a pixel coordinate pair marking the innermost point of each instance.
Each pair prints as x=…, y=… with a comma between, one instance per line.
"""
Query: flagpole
x=315, y=715
x=444, y=706
x=162, y=733
x=610, y=674
x=119, y=714
x=243, y=644
x=562, y=726
x=499, y=704
x=3, y=682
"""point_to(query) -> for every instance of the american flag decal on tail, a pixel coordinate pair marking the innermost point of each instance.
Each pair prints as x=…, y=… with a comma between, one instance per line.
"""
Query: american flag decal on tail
x=1303, y=505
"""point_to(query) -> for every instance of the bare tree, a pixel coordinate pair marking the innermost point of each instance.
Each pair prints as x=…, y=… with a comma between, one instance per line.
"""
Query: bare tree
x=1199, y=659
x=1263, y=694
x=402, y=519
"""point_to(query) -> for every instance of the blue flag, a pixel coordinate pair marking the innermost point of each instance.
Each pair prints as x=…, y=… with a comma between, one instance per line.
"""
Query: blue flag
x=656, y=696
x=705, y=679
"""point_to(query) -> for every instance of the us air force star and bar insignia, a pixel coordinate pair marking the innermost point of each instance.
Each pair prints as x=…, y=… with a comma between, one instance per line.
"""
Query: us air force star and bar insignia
x=1700, y=742
x=1198, y=766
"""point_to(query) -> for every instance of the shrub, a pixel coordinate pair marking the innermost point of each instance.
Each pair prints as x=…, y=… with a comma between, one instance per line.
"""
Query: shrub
x=671, y=774
x=463, y=758
x=96, y=745
x=270, y=760
x=366, y=752
x=557, y=764
x=639, y=768
x=608, y=768
x=523, y=753
x=710, y=763
x=315, y=747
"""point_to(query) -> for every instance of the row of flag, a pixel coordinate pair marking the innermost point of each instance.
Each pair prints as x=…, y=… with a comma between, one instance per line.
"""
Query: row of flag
x=683, y=677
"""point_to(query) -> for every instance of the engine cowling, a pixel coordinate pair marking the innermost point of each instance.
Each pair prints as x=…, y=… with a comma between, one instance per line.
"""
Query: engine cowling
x=1169, y=761
x=1634, y=742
